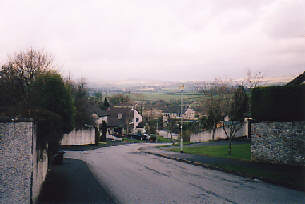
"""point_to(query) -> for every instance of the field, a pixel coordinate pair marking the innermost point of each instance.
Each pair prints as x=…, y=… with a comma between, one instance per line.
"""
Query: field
x=165, y=96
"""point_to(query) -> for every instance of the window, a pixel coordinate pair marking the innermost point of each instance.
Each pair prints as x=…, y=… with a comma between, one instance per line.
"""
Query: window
x=120, y=116
x=137, y=119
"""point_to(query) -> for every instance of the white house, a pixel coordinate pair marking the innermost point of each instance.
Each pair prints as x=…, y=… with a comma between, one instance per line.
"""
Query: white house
x=189, y=114
x=137, y=118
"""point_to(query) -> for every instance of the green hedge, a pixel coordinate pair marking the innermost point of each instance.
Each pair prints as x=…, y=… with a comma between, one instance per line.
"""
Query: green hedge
x=278, y=103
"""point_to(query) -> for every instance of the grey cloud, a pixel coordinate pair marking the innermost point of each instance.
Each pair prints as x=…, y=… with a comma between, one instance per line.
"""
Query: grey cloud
x=186, y=39
x=286, y=19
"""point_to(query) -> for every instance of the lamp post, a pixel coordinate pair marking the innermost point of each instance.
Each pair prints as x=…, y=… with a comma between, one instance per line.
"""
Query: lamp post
x=181, y=138
x=157, y=133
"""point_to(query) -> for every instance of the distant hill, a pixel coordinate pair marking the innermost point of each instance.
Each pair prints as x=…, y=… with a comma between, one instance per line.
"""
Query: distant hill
x=154, y=85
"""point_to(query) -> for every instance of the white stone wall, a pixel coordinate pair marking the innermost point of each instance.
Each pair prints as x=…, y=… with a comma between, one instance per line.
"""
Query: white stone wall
x=40, y=170
x=22, y=173
x=79, y=137
x=165, y=134
x=219, y=134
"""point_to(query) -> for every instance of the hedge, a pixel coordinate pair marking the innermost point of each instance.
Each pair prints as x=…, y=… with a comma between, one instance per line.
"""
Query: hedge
x=278, y=103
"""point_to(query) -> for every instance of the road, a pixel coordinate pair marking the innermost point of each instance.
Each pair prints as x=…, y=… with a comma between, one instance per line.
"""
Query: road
x=73, y=182
x=133, y=176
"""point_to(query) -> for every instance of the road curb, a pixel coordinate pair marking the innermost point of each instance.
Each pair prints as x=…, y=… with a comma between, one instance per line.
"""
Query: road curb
x=212, y=167
x=196, y=163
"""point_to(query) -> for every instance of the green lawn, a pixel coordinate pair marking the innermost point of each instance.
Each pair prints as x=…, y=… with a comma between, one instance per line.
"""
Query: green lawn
x=131, y=140
x=166, y=96
x=162, y=139
x=293, y=177
x=184, y=143
x=284, y=175
x=239, y=151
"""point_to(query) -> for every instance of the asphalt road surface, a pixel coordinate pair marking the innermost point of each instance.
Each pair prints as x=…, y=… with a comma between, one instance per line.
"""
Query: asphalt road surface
x=136, y=177
x=73, y=183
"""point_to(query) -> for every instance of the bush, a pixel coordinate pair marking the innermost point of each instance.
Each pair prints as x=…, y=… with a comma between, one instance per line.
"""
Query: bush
x=52, y=108
x=278, y=103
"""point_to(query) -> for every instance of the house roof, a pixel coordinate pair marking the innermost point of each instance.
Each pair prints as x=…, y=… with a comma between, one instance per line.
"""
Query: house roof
x=298, y=80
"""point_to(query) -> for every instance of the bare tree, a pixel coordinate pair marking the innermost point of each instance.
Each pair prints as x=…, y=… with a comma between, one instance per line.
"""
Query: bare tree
x=19, y=73
x=172, y=127
x=237, y=104
x=252, y=81
x=218, y=97
x=227, y=104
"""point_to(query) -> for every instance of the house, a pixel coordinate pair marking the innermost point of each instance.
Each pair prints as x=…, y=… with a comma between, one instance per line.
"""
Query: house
x=189, y=114
x=120, y=120
x=167, y=116
x=137, y=118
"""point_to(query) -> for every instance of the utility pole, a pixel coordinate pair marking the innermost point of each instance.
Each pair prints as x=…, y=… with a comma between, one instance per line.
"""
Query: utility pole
x=157, y=132
x=181, y=138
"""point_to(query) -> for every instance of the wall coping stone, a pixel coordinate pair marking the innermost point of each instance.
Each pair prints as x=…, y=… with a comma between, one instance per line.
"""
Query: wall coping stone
x=16, y=119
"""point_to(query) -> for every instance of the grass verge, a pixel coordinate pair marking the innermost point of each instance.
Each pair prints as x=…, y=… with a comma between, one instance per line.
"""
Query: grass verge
x=132, y=140
x=289, y=176
x=286, y=175
x=162, y=139
x=239, y=151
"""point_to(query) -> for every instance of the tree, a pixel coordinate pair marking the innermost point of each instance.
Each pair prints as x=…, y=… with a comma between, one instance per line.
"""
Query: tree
x=106, y=103
x=82, y=106
x=151, y=126
x=17, y=76
x=238, y=108
x=216, y=106
x=52, y=107
x=119, y=99
x=104, y=131
x=252, y=81
x=30, y=88
x=172, y=127
x=227, y=101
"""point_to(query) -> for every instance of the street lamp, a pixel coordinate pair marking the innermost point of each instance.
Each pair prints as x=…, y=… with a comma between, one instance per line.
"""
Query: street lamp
x=181, y=138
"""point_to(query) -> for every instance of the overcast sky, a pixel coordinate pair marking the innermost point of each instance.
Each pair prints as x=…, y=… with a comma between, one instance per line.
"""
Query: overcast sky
x=159, y=39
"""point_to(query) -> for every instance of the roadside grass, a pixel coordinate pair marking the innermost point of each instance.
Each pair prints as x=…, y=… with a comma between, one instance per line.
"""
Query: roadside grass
x=177, y=144
x=239, y=151
x=132, y=140
x=162, y=139
x=292, y=177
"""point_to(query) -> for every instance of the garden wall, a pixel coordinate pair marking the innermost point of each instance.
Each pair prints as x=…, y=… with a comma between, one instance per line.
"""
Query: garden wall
x=22, y=169
x=79, y=137
x=166, y=134
x=219, y=134
x=279, y=142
